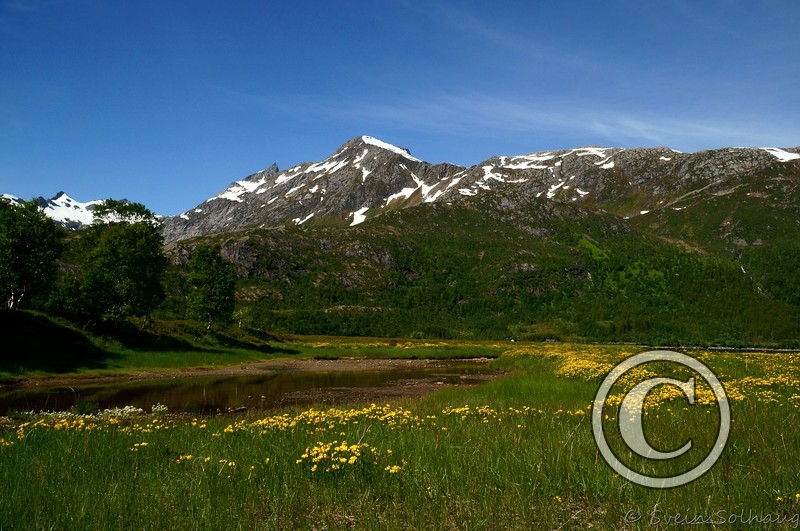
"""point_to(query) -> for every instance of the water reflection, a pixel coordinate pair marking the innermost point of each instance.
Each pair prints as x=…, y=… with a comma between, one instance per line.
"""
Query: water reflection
x=204, y=394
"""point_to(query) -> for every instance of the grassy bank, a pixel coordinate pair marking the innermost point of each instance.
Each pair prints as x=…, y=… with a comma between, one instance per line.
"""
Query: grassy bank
x=515, y=453
x=36, y=344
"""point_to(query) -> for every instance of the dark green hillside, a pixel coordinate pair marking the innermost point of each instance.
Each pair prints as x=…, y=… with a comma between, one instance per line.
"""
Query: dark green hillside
x=501, y=266
x=754, y=224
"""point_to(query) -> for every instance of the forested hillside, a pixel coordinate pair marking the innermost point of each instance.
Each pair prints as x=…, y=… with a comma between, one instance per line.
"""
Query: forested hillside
x=500, y=266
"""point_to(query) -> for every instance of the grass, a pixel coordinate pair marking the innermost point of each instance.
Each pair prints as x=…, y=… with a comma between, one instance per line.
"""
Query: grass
x=42, y=345
x=516, y=453
x=320, y=347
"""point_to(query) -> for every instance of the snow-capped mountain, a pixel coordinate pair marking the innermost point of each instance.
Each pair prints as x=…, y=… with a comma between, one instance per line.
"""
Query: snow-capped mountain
x=364, y=175
x=67, y=211
x=367, y=176
x=64, y=210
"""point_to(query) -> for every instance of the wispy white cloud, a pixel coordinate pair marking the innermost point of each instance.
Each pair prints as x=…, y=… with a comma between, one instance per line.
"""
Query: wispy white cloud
x=473, y=114
x=476, y=115
x=649, y=128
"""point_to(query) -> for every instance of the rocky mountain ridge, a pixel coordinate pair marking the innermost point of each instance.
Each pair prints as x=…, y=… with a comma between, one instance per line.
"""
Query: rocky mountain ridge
x=366, y=177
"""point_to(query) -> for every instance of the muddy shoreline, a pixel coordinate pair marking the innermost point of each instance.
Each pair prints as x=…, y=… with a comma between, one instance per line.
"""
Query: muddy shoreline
x=253, y=368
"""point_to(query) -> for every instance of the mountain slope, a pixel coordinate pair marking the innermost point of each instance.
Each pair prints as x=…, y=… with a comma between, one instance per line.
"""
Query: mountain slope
x=366, y=177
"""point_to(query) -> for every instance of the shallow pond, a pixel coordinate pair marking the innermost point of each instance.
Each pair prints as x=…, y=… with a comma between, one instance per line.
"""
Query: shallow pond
x=214, y=394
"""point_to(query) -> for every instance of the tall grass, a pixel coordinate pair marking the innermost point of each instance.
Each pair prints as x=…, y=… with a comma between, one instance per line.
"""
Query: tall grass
x=515, y=453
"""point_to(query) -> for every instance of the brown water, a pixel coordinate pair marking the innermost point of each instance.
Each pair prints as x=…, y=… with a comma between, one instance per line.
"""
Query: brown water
x=206, y=395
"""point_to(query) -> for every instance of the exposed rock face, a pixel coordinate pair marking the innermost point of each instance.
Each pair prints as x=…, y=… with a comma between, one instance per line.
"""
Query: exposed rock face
x=366, y=177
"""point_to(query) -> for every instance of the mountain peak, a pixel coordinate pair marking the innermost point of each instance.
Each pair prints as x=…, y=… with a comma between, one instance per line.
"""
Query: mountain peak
x=372, y=141
x=69, y=212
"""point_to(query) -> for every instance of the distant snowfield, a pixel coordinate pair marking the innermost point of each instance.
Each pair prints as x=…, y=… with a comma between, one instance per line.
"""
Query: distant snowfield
x=64, y=209
x=70, y=213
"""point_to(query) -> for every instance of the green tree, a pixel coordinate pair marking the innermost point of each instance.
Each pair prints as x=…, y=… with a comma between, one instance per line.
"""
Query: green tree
x=116, y=211
x=212, y=281
x=30, y=243
x=121, y=264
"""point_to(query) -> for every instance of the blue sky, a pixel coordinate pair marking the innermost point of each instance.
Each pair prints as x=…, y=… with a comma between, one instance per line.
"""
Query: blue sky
x=167, y=102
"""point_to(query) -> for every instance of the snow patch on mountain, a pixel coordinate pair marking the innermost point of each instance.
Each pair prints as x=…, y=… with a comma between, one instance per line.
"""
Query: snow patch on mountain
x=526, y=162
x=236, y=190
x=403, y=194
x=291, y=173
x=359, y=216
x=592, y=150
x=383, y=145
x=301, y=221
x=551, y=192
x=781, y=154
x=329, y=166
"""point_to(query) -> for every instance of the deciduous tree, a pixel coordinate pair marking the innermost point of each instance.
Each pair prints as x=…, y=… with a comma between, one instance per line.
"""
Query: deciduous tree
x=122, y=263
x=30, y=243
x=212, y=281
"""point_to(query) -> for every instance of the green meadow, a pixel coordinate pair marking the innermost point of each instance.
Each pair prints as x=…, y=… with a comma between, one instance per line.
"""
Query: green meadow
x=514, y=453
